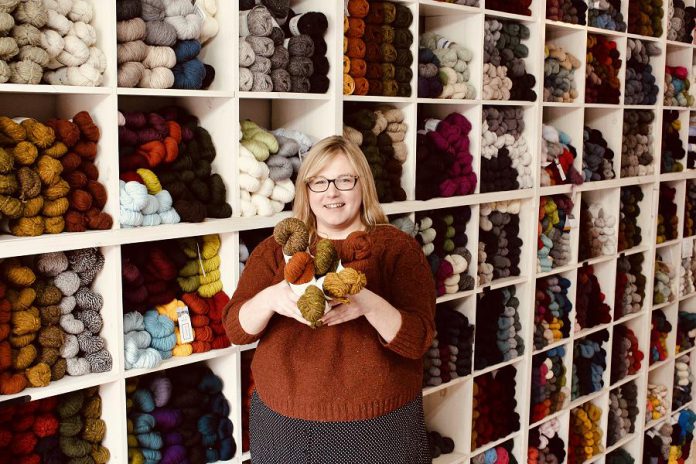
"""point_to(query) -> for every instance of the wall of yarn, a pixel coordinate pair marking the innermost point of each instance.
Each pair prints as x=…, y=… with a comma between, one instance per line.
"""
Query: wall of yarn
x=553, y=247
x=585, y=436
x=567, y=11
x=687, y=276
x=500, y=245
x=559, y=74
x=623, y=411
x=444, y=158
x=664, y=288
x=549, y=385
x=498, y=336
x=179, y=415
x=552, y=309
x=65, y=428
x=606, y=14
x=597, y=157
x=160, y=43
x=380, y=131
x=677, y=85
x=442, y=236
x=494, y=414
x=591, y=307
x=54, y=42
x=165, y=160
x=660, y=329
x=680, y=21
x=686, y=330
x=268, y=164
x=589, y=364
x=630, y=232
x=501, y=454
x=161, y=278
x=506, y=159
x=626, y=356
x=505, y=76
x=690, y=209
x=641, y=87
x=545, y=443
x=281, y=50
x=602, y=66
x=629, y=293
x=597, y=230
x=672, y=441
x=645, y=17
x=683, y=382
x=444, y=67
x=557, y=158
x=439, y=444
x=49, y=182
x=51, y=319
x=449, y=356
x=637, y=146
x=667, y=214
x=377, y=44
x=657, y=402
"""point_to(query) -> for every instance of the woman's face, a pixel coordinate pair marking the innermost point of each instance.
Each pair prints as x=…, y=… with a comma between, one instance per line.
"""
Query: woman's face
x=337, y=211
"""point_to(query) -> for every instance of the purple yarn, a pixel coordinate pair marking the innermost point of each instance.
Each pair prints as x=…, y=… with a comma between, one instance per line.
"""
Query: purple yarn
x=174, y=455
x=158, y=123
x=127, y=136
x=135, y=119
x=161, y=388
x=166, y=418
x=173, y=438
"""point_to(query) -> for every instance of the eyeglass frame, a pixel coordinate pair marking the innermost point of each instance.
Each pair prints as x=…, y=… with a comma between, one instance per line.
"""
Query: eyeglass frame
x=332, y=181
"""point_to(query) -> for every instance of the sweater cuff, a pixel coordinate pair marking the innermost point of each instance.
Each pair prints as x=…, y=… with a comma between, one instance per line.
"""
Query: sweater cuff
x=409, y=340
x=235, y=332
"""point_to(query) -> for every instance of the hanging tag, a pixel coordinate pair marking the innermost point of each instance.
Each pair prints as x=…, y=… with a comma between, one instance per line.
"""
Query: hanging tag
x=560, y=170
x=200, y=260
x=688, y=249
x=184, y=320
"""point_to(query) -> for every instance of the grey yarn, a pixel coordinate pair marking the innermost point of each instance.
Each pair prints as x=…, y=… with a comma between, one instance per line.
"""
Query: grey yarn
x=299, y=84
x=136, y=50
x=301, y=66
x=246, y=79
x=280, y=168
x=25, y=72
x=301, y=45
x=81, y=260
x=246, y=54
x=261, y=45
x=89, y=300
x=87, y=276
x=77, y=366
x=70, y=346
x=67, y=282
x=278, y=36
x=100, y=361
x=92, y=320
x=160, y=33
x=129, y=74
x=131, y=29
x=261, y=65
x=152, y=10
x=281, y=80
x=71, y=325
x=257, y=21
x=67, y=304
x=36, y=54
x=262, y=82
x=287, y=146
x=26, y=34
x=52, y=264
x=280, y=58
x=90, y=343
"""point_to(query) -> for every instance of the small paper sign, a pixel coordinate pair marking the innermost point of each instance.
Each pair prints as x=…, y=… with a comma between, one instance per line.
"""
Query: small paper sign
x=185, y=327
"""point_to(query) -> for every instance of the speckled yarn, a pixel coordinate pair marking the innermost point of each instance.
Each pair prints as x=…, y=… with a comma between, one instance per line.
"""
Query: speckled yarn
x=444, y=158
x=637, y=157
x=549, y=388
x=680, y=21
x=544, y=444
x=597, y=157
x=603, y=62
x=667, y=214
x=559, y=74
x=382, y=131
x=505, y=156
x=567, y=11
x=557, y=158
x=664, y=288
x=623, y=410
x=606, y=14
x=626, y=356
x=630, y=233
x=446, y=61
x=630, y=285
x=553, y=248
x=585, y=436
x=589, y=364
x=660, y=329
x=499, y=323
x=449, y=356
x=597, y=231
x=690, y=209
x=641, y=86
x=552, y=309
x=499, y=242
x=504, y=73
x=645, y=17
x=494, y=391
x=677, y=85
x=683, y=381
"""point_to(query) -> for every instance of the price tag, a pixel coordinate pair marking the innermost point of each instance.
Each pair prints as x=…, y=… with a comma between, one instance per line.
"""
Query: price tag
x=687, y=249
x=184, y=321
x=560, y=170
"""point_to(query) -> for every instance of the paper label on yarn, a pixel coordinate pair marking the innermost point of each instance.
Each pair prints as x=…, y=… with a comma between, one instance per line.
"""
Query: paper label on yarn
x=199, y=10
x=243, y=24
x=431, y=124
x=185, y=328
x=561, y=172
x=292, y=25
x=443, y=43
x=687, y=249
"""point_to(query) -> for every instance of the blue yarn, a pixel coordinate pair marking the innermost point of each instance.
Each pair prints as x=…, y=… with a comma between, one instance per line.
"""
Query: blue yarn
x=490, y=456
x=165, y=354
x=207, y=424
x=164, y=344
x=210, y=384
x=189, y=75
x=212, y=455
x=143, y=423
x=220, y=405
x=143, y=400
x=150, y=440
x=227, y=449
x=186, y=50
x=158, y=325
x=151, y=455
x=225, y=428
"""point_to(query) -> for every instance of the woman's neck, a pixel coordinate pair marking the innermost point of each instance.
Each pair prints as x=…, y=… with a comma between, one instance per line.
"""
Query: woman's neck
x=340, y=234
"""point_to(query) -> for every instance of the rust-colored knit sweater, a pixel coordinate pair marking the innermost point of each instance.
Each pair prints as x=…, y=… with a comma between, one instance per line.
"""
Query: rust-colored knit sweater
x=343, y=372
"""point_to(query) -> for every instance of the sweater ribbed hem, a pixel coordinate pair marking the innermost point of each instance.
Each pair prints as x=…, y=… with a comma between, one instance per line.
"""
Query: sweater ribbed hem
x=338, y=412
x=235, y=332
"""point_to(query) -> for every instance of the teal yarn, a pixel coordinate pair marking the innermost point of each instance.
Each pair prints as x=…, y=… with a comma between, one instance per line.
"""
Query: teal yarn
x=210, y=384
x=189, y=75
x=150, y=440
x=157, y=325
x=220, y=405
x=152, y=456
x=142, y=423
x=143, y=400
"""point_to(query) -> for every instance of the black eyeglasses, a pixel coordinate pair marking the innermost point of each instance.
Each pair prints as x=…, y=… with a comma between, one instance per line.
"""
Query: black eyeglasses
x=321, y=184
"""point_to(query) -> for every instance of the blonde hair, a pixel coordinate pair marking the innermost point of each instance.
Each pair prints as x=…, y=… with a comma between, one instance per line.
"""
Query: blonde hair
x=371, y=213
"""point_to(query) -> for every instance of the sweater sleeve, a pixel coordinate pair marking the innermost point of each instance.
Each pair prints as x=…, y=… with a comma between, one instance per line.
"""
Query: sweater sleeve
x=259, y=272
x=412, y=293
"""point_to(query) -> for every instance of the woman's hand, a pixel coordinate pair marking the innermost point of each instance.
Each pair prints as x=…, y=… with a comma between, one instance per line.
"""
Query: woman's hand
x=279, y=299
x=344, y=312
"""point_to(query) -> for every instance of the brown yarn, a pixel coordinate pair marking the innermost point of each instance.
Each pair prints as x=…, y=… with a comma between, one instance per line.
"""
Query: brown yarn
x=75, y=221
x=86, y=124
x=49, y=169
x=90, y=170
x=18, y=275
x=21, y=300
x=19, y=341
x=33, y=206
x=49, y=356
x=24, y=357
x=39, y=134
x=66, y=131
x=70, y=162
x=28, y=227
x=6, y=161
x=8, y=184
x=356, y=247
x=29, y=183
x=47, y=294
x=57, y=150
x=100, y=454
x=92, y=408
x=50, y=315
x=10, y=207
x=292, y=235
x=12, y=383
x=76, y=179
x=94, y=430
x=39, y=375
x=25, y=153
x=326, y=257
x=59, y=369
x=54, y=225
x=86, y=150
x=51, y=337
x=80, y=200
x=300, y=269
x=98, y=192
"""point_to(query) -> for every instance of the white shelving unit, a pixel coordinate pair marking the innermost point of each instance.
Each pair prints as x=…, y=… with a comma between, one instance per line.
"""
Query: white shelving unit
x=447, y=407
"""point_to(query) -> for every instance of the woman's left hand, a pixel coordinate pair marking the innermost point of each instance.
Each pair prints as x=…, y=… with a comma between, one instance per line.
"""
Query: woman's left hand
x=345, y=312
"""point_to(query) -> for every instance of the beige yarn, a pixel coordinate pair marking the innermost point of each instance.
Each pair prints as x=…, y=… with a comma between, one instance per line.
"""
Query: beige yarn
x=31, y=12
x=129, y=74
x=26, y=34
x=84, y=75
x=97, y=59
x=160, y=57
x=6, y=23
x=210, y=26
x=157, y=78
x=52, y=42
x=8, y=6
x=85, y=32
x=8, y=48
x=4, y=72
x=132, y=51
x=60, y=6
x=25, y=72
x=36, y=54
x=130, y=30
x=75, y=52
x=58, y=22
x=82, y=10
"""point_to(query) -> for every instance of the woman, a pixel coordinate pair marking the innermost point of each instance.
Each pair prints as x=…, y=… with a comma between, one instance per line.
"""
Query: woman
x=350, y=390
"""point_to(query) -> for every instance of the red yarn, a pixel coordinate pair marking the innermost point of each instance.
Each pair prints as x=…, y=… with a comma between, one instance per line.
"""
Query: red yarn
x=5, y=437
x=98, y=192
x=195, y=303
x=23, y=443
x=70, y=162
x=46, y=425
x=75, y=221
x=130, y=176
x=22, y=424
x=160, y=265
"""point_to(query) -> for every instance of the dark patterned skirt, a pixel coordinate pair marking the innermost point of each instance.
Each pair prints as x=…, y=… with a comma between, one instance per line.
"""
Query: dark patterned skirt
x=398, y=437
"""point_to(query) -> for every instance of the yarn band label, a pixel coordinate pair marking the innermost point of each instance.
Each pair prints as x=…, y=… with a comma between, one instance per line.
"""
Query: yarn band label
x=199, y=10
x=561, y=172
x=292, y=25
x=185, y=327
x=688, y=249
x=243, y=25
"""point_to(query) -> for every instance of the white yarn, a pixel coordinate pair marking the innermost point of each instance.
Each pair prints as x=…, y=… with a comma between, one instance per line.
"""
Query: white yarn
x=210, y=25
x=52, y=42
x=121, y=119
x=262, y=204
x=75, y=52
x=62, y=7
x=187, y=27
x=157, y=78
x=248, y=208
x=82, y=10
x=266, y=187
x=84, y=32
x=58, y=22
x=97, y=59
x=160, y=57
x=283, y=191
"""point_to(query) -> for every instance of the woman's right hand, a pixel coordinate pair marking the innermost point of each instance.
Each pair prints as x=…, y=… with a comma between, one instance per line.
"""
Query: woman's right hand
x=280, y=299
